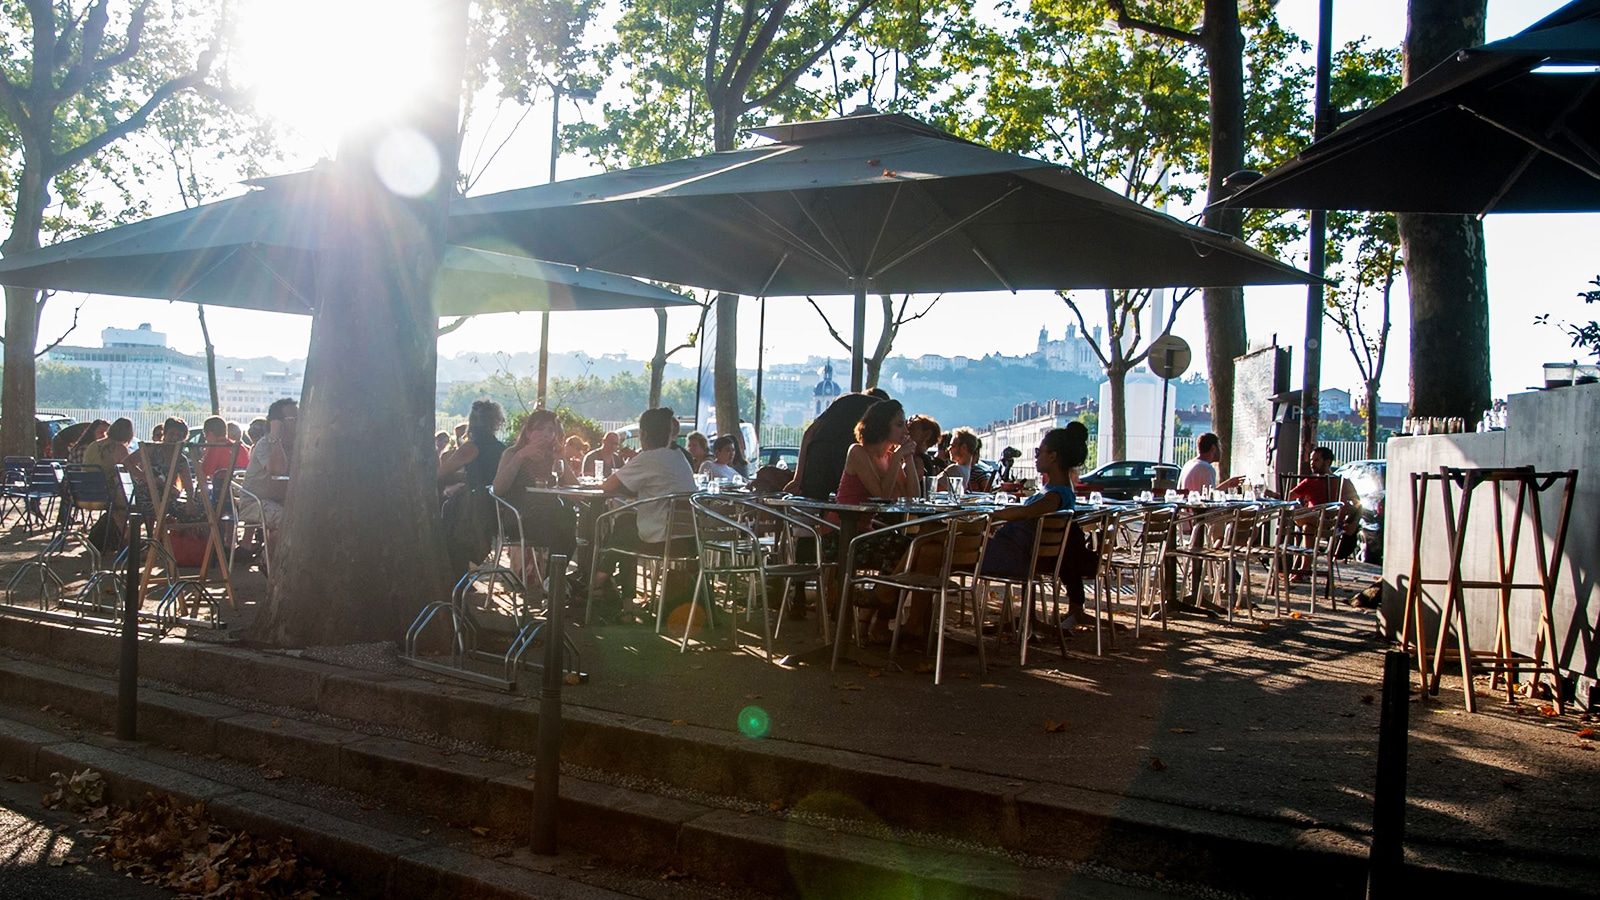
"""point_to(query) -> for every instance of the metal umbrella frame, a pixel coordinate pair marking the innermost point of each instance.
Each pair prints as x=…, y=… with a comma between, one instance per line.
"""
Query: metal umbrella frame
x=1509, y=126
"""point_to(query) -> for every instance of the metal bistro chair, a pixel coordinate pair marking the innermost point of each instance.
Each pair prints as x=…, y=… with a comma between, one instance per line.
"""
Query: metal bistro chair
x=502, y=565
x=1133, y=558
x=787, y=529
x=102, y=592
x=1049, y=540
x=905, y=581
x=961, y=542
x=729, y=548
x=1223, y=542
x=247, y=516
x=1099, y=528
x=42, y=495
x=678, y=549
x=14, y=491
x=1312, y=536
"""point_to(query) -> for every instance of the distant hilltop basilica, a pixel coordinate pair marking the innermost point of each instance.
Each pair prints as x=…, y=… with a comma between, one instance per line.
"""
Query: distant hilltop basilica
x=1070, y=354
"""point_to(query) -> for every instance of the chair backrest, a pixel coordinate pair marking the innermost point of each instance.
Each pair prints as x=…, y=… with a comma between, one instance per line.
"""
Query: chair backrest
x=1050, y=540
x=121, y=484
x=17, y=469
x=88, y=487
x=45, y=477
x=508, y=534
x=967, y=538
x=721, y=539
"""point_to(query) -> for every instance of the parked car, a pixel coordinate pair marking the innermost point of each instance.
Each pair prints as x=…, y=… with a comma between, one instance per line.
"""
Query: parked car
x=1367, y=476
x=1123, y=479
x=782, y=457
x=53, y=424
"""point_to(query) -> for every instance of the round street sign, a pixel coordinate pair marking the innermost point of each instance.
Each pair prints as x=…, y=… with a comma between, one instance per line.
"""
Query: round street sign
x=1169, y=356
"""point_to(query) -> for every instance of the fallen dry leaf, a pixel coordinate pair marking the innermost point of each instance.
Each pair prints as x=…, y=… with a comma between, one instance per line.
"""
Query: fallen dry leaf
x=1181, y=730
x=851, y=686
x=1548, y=711
x=16, y=778
x=1218, y=749
x=572, y=678
x=276, y=723
x=1051, y=726
x=989, y=684
x=680, y=721
x=479, y=830
x=1156, y=765
x=271, y=774
x=925, y=668
x=1586, y=734
x=775, y=805
x=1296, y=614
x=874, y=673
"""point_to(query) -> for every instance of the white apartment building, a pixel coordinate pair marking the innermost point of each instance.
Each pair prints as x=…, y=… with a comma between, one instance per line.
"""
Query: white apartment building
x=139, y=370
x=243, y=399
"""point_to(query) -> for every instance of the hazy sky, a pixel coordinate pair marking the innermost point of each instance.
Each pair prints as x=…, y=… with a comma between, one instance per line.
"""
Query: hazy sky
x=1537, y=264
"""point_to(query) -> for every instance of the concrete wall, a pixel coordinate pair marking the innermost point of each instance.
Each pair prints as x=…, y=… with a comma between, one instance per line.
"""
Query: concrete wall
x=1551, y=431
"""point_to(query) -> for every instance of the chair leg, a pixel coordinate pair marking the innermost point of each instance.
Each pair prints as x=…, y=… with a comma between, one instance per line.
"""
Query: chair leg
x=688, y=625
x=766, y=617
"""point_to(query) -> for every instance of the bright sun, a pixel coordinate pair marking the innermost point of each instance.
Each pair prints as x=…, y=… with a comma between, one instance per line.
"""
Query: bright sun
x=327, y=67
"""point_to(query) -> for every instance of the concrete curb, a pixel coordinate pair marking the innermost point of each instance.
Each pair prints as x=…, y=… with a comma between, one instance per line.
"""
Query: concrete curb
x=615, y=823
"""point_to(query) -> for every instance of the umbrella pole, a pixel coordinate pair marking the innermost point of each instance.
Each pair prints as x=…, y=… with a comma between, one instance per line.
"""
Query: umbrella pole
x=858, y=337
x=761, y=350
x=544, y=359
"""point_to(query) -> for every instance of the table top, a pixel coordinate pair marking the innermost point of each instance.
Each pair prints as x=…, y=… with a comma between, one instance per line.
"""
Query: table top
x=904, y=506
x=575, y=491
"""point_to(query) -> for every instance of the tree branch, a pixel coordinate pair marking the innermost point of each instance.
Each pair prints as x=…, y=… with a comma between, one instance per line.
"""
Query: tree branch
x=57, y=342
x=737, y=78
x=902, y=319
x=788, y=80
x=1124, y=20
x=133, y=122
x=710, y=63
x=842, y=342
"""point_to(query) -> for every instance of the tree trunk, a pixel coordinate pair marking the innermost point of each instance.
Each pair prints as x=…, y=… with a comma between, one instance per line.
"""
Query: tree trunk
x=22, y=322
x=1372, y=419
x=211, y=361
x=1446, y=268
x=1117, y=377
x=360, y=551
x=880, y=352
x=658, y=362
x=1223, y=42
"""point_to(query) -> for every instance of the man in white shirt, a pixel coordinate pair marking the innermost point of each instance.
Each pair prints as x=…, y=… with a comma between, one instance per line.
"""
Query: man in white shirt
x=1201, y=472
x=1197, y=475
x=656, y=471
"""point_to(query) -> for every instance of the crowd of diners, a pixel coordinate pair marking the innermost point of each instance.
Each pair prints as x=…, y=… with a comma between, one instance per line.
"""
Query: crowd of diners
x=261, y=450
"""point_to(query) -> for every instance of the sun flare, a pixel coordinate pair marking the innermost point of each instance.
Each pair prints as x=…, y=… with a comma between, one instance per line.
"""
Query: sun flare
x=327, y=68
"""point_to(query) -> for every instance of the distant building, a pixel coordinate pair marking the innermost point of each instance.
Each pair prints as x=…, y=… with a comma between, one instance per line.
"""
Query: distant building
x=1335, y=402
x=1027, y=426
x=899, y=384
x=1073, y=353
x=826, y=391
x=139, y=370
x=244, y=398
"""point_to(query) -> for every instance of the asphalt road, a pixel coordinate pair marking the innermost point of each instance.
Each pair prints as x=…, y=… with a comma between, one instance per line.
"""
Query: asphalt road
x=42, y=858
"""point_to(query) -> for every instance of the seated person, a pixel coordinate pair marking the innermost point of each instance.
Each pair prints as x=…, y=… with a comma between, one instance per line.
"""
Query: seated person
x=476, y=458
x=924, y=432
x=606, y=458
x=881, y=465
x=720, y=465
x=266, y=478
x=576, y=448
x=535, y=459
x=658, y=470
x=1010, y=548
x=964, y=445
x=1318, y=488
x=699, y=450
x=219, y=462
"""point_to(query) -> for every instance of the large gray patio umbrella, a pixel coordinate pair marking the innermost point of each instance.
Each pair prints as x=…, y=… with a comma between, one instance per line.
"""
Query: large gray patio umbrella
x=867, y=203
x=258, y=251
x=1510, y=126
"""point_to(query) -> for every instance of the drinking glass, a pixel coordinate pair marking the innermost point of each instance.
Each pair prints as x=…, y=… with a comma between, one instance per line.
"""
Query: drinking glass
x=930, y=486
x=700, y=481
x=958, y=488
x=1096, y=498
x=600, y=469
x=1171, y=496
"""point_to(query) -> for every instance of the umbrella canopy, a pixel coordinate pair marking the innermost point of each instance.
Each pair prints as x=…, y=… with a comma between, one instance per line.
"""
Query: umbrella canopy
x=1510, y=126
x=863, y=203
x=259, y=251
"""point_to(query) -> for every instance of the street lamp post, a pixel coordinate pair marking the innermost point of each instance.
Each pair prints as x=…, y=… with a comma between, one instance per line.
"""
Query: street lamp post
x=1325, y=119
x=576, y=93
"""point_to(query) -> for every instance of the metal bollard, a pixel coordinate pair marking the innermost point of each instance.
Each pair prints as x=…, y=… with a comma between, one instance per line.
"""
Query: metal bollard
x=547, y=762
x=128, y=665
x=1386, y=862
